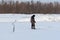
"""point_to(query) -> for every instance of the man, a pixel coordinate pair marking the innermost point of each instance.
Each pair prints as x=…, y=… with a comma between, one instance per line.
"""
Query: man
x=33, y=22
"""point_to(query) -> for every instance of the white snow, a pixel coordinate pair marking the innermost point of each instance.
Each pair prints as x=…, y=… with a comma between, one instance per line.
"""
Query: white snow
x=48, y=27
x=26, y=18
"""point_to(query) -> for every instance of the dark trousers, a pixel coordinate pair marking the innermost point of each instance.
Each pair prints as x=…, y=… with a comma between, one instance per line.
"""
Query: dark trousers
x=32, y=26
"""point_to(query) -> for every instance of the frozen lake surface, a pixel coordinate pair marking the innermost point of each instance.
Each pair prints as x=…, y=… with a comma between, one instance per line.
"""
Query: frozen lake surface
x=48, y=27
x=26, y=18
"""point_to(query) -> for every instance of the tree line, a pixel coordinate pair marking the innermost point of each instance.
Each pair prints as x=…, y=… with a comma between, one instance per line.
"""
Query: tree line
x=29, y=7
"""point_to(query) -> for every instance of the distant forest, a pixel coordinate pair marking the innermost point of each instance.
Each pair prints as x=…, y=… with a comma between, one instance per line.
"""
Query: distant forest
x=29, y=7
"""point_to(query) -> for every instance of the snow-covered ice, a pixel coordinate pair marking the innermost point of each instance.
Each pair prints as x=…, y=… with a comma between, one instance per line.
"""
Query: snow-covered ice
x=26, y=18
x=48, y=27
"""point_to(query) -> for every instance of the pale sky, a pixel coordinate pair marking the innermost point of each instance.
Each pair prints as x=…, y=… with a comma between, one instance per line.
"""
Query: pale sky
x=36, y=0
